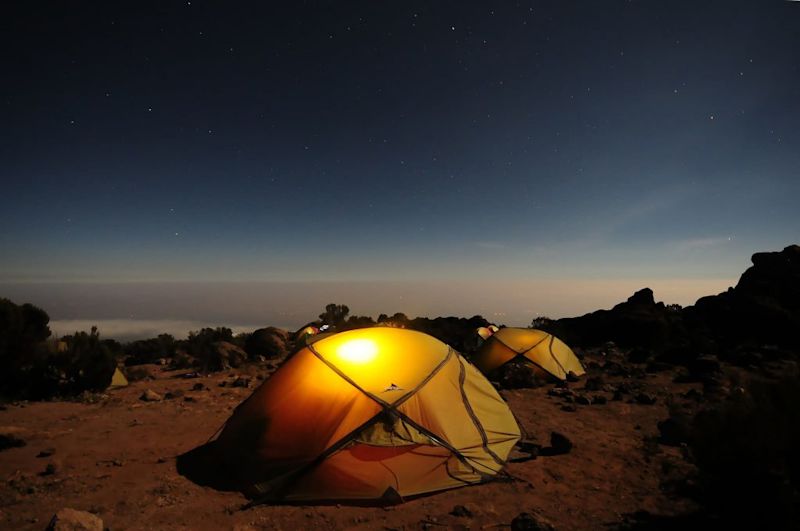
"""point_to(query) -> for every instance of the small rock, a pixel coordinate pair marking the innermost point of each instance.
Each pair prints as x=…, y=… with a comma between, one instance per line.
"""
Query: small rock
x=559, y=444
x=71, y=520
x=560, y=392
x=49, y=470
x=599, y=400
x=572, y=377
x=47, y=452
x=9, y=439
x=569, y=408
x=645, y=399
x=528, y=522
x=582, y=400
x=241, y=381
x=189, y=399
x=150, y=396
x=169, y=395
x=461, y=511
x=199, y=387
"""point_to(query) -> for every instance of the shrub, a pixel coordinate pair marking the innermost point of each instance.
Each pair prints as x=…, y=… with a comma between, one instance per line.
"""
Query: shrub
x=87, y=365
x=149, y=350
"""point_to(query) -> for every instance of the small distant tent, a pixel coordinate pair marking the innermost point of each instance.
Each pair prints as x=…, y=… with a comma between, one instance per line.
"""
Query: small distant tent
x=485, y=332
x=305, y=332
x=550, y=357
x=118, y=379
x=370, y=414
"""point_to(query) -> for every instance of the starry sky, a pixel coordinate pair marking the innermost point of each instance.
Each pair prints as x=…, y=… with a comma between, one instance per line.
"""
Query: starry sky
x=448, y=155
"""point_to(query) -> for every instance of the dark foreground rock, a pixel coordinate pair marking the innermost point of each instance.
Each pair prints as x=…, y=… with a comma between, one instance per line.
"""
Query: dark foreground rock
x=528, y=522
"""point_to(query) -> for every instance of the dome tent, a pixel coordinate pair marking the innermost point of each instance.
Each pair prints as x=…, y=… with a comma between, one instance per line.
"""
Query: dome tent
x=368, y=414
x=550, y=356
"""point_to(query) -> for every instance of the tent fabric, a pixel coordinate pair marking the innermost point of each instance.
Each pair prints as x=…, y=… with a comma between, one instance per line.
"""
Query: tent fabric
x=550, y=356
x=369, y=414
x=118, y=379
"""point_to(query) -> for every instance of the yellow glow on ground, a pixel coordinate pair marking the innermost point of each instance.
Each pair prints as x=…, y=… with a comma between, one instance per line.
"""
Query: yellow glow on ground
x=358, y=350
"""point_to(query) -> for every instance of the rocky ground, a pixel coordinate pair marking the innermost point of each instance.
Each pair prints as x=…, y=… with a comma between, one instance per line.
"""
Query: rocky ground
x=591, y=458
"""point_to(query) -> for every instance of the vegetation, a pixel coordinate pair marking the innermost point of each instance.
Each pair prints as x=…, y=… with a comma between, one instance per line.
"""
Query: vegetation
x=334, y=314
x=149, y=350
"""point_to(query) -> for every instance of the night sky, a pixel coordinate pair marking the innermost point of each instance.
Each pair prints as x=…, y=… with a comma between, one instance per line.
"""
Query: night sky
x=602, y=143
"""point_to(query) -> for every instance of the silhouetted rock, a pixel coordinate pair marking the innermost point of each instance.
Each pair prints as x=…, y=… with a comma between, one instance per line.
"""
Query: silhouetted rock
x=71, y=520
x=269, y=342
x=637, y=322
x=763, y=308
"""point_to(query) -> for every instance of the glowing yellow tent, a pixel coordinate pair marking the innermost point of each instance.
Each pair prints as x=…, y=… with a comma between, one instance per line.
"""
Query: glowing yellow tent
x=118, y=379
x=485, y=332
x=550, y=356
x=370, y=414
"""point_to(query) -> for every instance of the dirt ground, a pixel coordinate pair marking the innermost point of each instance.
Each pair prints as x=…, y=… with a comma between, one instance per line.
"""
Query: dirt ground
x=116, y=458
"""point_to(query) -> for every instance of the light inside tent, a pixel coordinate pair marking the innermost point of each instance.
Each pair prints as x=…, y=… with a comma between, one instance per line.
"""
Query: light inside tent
x=358, y=350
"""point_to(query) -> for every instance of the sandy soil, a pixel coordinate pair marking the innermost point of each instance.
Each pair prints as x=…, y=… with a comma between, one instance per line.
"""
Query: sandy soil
x=116, y=458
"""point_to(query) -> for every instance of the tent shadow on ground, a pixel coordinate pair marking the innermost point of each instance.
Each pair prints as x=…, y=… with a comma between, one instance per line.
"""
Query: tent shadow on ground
x=203, y=466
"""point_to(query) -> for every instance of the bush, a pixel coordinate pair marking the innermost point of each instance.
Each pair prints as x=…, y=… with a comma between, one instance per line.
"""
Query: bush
x=746, y=451
x=87, y=365
x=149, y=350
x=23, y=354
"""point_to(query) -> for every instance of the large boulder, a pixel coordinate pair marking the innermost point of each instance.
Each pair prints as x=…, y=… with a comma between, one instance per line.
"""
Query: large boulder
x=269, y=342
x=223, y=356
x=638, y=322
x=763, y=308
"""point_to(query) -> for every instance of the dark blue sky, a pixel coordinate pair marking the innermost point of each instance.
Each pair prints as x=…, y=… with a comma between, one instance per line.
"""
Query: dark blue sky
x=331, y=141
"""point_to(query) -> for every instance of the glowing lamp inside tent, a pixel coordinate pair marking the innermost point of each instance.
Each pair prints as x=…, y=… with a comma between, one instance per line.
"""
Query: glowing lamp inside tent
x=358, y=350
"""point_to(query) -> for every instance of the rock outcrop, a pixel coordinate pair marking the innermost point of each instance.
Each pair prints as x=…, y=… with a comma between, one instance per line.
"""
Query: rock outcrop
x=638, y=322
x=763, y=308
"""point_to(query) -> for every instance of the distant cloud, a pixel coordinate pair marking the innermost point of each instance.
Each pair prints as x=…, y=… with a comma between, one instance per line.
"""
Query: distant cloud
x=130, y=329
